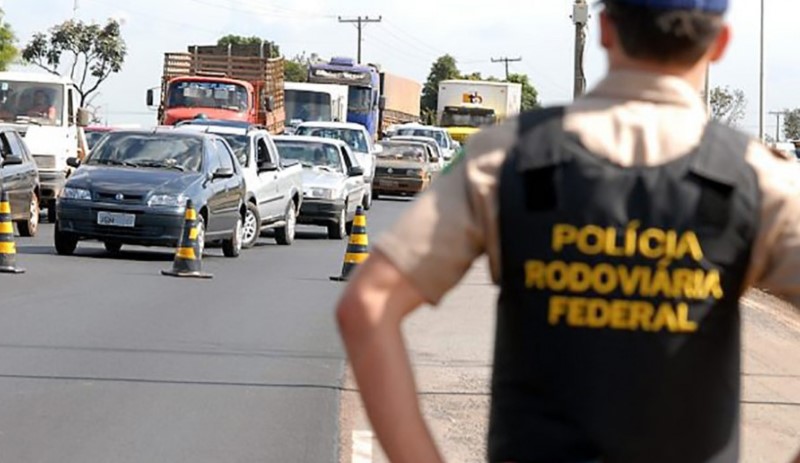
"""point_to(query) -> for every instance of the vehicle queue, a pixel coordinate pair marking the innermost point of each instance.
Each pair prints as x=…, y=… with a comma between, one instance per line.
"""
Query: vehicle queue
x=133, y=186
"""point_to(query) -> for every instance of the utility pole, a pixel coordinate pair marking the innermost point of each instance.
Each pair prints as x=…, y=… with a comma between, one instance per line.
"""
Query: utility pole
x=359, y=22
x=778, y=115
x=75, y=7
x=506, y=60
x=761, y=81
x=580, y=17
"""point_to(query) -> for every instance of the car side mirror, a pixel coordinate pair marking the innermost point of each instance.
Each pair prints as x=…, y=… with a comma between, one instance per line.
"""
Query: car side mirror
x=84, y=117
x=268, y=103
x=224, y=172
x=150, y=98
x=267, y=167
x=355, y=171
x=378, y=149
x=74, y=162
x=11, y=161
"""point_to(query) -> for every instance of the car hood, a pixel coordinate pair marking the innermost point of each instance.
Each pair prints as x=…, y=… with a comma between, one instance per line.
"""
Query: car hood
x=138, y=181
x=321, y=179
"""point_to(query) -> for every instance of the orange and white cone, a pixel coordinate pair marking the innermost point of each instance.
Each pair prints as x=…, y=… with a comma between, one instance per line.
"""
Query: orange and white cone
x=8, y=249
x=188, y=257
x=357, y=248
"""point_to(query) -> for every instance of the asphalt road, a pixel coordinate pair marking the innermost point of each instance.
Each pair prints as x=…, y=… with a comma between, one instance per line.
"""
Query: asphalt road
x=102, y=359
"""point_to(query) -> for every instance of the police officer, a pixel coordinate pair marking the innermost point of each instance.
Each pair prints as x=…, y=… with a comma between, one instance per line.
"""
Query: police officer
x=622, y=231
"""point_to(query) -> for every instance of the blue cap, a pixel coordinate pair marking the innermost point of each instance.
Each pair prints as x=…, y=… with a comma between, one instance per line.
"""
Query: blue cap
x=711, y=6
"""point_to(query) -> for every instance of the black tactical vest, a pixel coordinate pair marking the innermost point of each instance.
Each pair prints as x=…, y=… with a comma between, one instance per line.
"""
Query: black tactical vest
x=618, y=322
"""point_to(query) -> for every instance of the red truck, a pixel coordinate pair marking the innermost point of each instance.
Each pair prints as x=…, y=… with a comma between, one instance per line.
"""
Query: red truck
x=234, y=83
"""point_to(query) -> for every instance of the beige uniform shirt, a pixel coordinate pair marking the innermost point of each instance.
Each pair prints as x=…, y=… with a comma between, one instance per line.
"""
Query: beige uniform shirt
x=631, y=119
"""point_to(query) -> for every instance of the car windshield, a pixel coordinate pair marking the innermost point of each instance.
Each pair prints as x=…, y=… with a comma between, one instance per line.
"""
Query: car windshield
x=403, y=152
x=359, y=99
x=93, y=136
x=156, y=150
x=239, y=144
x=354, y=138
x=311, y=155
x=31, y=102
x=307, y=106
x=216, y=95
x=437, y=135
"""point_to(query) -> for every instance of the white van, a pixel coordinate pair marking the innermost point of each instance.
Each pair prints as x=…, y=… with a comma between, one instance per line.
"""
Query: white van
x=43, y=108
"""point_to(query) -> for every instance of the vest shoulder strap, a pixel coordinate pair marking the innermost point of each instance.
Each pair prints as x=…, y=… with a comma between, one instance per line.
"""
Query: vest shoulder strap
x=722, y=153
x=541, y=131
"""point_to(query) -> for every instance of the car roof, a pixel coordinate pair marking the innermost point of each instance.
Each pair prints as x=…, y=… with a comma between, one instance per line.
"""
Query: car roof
x=415, y=126
x=305, y=139
x=220, y=130
x=34, y=78
x=333, y=125
x=167, y=130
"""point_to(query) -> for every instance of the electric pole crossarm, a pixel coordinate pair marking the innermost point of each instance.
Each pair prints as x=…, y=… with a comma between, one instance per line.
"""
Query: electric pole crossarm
x=506, y=61
x=360, y=21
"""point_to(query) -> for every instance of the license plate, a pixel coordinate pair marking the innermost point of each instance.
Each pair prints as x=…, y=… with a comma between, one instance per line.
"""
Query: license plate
x=116, y=219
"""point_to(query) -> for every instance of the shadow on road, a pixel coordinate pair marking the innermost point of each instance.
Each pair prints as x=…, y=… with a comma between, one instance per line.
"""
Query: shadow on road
x=397, y=199
x=36, y=250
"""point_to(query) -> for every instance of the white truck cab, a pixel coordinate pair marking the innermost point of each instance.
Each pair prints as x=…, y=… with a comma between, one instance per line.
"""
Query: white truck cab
x=43, y=108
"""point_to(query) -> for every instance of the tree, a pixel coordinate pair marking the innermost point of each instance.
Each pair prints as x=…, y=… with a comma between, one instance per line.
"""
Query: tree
x=443, y=68
x=728, y=105
x=296, y=69
x=86, y=53
x=530, y=96
x=791, y=124
x=8, y=49
x=231, y=39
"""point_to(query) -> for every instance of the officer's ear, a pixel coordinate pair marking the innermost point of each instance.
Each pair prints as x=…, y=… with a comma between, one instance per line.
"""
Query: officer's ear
x=608, y=34
x=721, y=43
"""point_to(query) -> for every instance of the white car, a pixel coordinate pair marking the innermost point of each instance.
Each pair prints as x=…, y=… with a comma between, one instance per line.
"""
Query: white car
x=442, y=137
x=274, y=187
x=333, y=182
x=356, y=137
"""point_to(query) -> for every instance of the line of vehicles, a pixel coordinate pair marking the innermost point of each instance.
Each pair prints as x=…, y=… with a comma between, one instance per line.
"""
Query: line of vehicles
x=253, y=153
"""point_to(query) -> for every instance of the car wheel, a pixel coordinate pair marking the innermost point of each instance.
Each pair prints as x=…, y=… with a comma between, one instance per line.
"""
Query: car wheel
x=51, y=211
x=113, y=247
x=338, y=229
x=367, y=202
x=252, y=226
x=375, y=195
x=233, y=247
x=285, y=235
x=65, y=242
x=30, y=227
x=201, y=235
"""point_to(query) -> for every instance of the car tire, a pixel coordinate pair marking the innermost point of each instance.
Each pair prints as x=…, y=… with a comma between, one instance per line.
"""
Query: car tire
x=65, y=242
x=338, y=229
x=112, y=247
x=375, y=195
x=285, y=235
x=201, y=235
x=52, y=217
x=367, y=201
x=30, y=227
x=252, y=226
x=232, y=247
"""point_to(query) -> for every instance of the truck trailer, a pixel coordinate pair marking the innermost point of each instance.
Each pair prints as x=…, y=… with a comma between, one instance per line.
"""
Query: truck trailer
x=464, y=106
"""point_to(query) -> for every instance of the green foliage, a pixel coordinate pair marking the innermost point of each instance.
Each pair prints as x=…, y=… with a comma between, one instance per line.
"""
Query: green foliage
x=791, y=124
x=86, y=53
x=296, y=69
x=444, y=68
x=8, y=49
x=530, y=96
x=232, y=39
x=728, y=105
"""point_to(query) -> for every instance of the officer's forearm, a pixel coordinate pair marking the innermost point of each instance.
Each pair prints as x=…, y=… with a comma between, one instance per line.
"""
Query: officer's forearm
x=369, y=317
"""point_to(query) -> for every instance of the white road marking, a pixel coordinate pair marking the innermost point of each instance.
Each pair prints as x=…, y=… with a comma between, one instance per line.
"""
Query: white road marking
x=362, y=446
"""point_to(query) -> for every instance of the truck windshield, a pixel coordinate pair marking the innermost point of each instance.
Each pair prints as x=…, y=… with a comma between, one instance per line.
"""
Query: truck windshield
x=468, y=117
x=354, y=138
x=359, y=99
x=31, y=102
x=307, y=106
x=200, y=94
x=311, y=155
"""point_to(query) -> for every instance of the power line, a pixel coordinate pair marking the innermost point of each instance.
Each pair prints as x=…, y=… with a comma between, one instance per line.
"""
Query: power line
x=360, y=22
x=506, y=61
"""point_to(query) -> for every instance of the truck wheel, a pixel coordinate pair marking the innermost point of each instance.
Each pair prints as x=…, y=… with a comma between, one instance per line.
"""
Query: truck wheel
x=338, y=229
x=51, y=211
x=233, y=247
x=65, y=242
x=30, y=227
x=252, y=226
x=285, y=235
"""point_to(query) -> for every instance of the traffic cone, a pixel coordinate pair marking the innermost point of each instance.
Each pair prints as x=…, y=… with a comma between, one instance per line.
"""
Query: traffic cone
x=8, y=250
x=357, y=248
x=188, y=257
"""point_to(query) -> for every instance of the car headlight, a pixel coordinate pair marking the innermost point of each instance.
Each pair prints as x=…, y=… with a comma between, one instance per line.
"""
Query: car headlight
x=321, y=193
x=166, y=201
x=76, y=193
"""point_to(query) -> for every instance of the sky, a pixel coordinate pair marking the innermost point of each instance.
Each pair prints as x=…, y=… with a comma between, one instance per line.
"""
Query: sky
x=411, y=35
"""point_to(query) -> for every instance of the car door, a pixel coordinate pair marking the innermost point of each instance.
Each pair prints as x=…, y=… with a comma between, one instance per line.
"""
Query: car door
x=354, y=186
x=232, y=197
x=216, y=190
x=270, y=205
x=29, y=173
x=13, y=178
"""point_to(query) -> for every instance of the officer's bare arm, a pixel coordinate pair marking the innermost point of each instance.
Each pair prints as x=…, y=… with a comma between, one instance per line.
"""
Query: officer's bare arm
x=370, y=314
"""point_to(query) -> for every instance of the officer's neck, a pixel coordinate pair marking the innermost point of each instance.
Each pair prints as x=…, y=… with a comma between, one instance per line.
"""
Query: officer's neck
x=694, y=75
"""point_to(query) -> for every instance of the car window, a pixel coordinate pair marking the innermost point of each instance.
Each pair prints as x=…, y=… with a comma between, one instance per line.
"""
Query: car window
x=240, y=145
x=15, y=145
x=5, y=146
x=262, y=151
x=225, y=155
x=213, y=158
x=346, y=155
